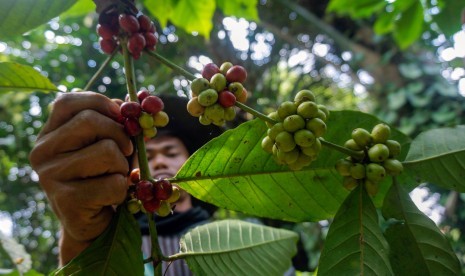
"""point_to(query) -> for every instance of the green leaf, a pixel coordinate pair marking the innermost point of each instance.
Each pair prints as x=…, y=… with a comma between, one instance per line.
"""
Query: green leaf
x=194, y=16
x=417, y=245
x=162, y=10
x=233, y=172
x=355, y=244
x=366, y=8
x=240, y=8
x=234, y=247
x=358, y=8
x=336, y=5
x=410, y=25
x=116, y=252
x=17, y=77
x=438, y=156
x=20, y=16
x=82, y=7
x=385, y=23
x=449, y=18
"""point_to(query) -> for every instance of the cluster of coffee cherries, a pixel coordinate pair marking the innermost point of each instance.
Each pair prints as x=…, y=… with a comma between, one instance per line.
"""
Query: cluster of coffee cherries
x=377, y=159
x=143, y=116
x=151, y=195
x=214, y=95
x=294, y=139
x=135, y=29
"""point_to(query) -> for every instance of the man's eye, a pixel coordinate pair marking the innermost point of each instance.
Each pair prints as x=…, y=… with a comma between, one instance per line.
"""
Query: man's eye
x=172, y=154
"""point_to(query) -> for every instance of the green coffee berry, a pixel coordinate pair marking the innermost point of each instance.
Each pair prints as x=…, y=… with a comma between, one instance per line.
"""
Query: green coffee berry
x=357, y=171
x=286, y=109
x=229, y=113
x=285, y=141
x=362, y=137
x=371, y=187
x=164, y=209
x=198, y=85
x=343, y=167
x=275, y=130
x=317, y=126
x=133, y=206
x=310, y=151
x=204, y=120
x=303, y=96
x=236, y=88
x=317, y=145
x=394, y=148
x=219, y=122
x=352, y=145
x=214, y=112
x=378, y=153
x=324, y=109
x=160, y=119
x=349, y=183
x=380, y=133
x=218, y=82
x=273, y=115
x=304, y=160
x=375, y=172
x=291, y=156
x=225, y=66
x=304, y=138
x=267, y=144
x=321, y=115
x=293, y=123
x=208, y=97
x=145, y=120
x=307, y=110
x=393, y=166
x=149, y=132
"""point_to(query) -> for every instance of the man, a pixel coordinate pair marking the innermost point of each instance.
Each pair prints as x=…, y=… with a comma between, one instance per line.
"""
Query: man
x=81, y=157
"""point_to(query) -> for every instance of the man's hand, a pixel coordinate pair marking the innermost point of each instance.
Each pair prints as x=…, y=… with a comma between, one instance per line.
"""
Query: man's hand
x=80, y=157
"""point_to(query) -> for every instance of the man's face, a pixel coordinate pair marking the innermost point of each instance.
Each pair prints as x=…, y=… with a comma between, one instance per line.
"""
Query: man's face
x=166, y=155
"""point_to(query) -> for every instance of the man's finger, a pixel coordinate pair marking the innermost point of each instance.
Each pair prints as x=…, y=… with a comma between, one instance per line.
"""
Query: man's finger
x=83, y=129
x=95, y=160
x=69, y=104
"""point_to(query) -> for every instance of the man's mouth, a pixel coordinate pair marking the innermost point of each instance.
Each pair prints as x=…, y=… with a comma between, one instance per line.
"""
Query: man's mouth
x=163, y=175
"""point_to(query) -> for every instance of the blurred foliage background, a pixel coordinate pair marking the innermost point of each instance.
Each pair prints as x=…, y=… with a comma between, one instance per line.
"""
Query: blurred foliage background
x=400, y=60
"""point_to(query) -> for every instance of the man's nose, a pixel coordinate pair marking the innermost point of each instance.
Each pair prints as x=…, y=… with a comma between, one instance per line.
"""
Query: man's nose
x=158, y=162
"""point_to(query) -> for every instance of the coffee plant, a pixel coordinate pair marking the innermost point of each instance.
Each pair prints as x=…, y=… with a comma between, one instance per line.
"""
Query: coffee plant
x=299, y=163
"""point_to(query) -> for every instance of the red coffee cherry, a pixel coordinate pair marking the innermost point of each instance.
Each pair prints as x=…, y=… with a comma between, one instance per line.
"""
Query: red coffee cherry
x=144, y=190
x=209, y=70
x=106, y=32
x=152, y=104
x=141, y=95
x=226, y=99
x=163, y=189
x=108, y=45
x=236, y=73
x=130, y=109
x=132, y=127
x=136, y=44
x=151, y=205
x=150, y=41
x=144, y=22
x=129, y=23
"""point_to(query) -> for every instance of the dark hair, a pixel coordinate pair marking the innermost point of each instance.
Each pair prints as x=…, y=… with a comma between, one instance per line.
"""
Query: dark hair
x=184, y=126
